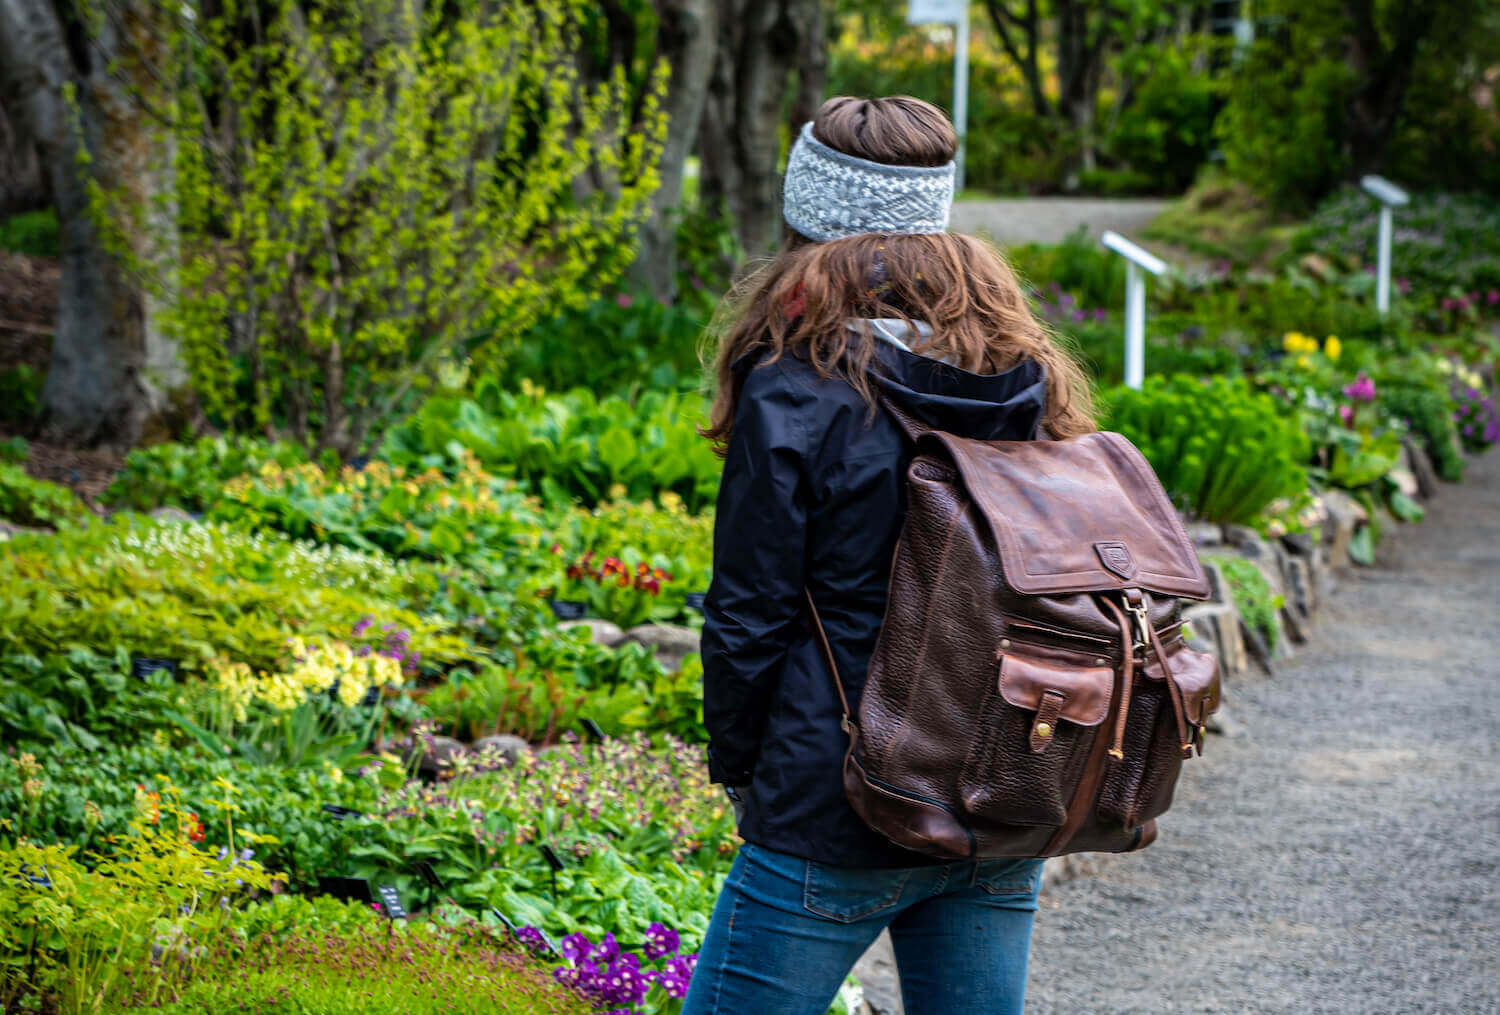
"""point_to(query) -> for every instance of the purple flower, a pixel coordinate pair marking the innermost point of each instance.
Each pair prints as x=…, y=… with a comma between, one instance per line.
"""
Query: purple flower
x=624, y=983
x=532, y=938
x=1493, y=296
x=1362, y=390
x=1100, y=314
x=363, y=625
x=1346, y=413
x=607, y=950
x=574, y=947
x=660, y=940
x=1403, y=286
x=625, y=300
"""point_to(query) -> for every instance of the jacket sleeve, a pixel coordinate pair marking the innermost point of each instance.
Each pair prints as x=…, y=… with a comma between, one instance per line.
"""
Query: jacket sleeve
x=751, y=612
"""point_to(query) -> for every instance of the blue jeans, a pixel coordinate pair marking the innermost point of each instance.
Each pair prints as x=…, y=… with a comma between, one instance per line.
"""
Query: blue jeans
x=785, y=932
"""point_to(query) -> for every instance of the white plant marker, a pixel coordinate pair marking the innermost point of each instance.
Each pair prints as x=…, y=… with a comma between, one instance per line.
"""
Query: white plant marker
x=955, y=13
x=1137, y=260
x=1390, y=196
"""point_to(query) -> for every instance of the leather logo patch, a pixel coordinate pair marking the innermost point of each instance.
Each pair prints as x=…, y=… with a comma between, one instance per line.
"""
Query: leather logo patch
x=1117, y=558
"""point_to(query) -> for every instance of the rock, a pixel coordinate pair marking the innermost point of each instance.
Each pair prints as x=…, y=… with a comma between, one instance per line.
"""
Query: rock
x=1300, y=543
x=671, y=643
x=434, y=755
x=1294, y=627
x=172, y=514
x=504, y=746
x=1217, y=630
x=8, y=530
x=1204, y=533
x=1422, y=469
x=601, y=632
x=1296, y=585
x=1223, y=722
x=1218, y=585
x=1257, y=648
x=876, y=971
x=1342, y=516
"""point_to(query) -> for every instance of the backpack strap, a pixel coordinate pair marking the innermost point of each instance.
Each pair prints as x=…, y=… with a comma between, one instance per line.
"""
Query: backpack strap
x=848, y=723
x=910, y=425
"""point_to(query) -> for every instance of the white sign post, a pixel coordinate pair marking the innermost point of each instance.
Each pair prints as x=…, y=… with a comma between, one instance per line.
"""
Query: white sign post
x=955, y=13
x=1390, y=196
x=1136, y=261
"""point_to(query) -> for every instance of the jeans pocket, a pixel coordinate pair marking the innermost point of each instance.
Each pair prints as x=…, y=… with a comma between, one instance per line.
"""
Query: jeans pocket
x=1007, y=876
x=849, y=894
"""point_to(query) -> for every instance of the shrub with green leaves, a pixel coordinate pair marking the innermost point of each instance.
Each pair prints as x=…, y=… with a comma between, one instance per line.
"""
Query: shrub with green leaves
x=416, y=178
x=36, y=502
x=573, y=445
x=1429, y=415
x=1222, y=451
x=192, y=476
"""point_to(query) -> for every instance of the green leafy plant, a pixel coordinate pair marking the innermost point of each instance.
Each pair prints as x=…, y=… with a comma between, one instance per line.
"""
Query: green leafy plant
x=28, y=501
x=192, y=476
x=1253, y=597
x=1222, y=451
x=76, y=934
x=414, y=180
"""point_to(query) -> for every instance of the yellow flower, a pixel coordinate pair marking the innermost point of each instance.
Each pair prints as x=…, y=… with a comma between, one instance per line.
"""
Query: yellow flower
x=617, y=491
x=1333, y=348
x=1304, y=362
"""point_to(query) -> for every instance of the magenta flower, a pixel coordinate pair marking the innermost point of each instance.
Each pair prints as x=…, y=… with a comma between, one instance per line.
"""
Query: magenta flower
x=625, y=300
x=1362, y=390
x=1346, y=413
x=1493, y=296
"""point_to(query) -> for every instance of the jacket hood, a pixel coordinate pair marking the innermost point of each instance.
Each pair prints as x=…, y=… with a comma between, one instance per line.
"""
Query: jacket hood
x=1006, y=406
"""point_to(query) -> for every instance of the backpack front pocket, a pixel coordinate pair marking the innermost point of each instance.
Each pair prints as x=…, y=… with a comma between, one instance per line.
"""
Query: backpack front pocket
x=1139, y=786
x=1036, y=727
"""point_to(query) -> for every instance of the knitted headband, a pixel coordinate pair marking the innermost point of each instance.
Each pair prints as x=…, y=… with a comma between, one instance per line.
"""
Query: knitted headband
x=829, y=195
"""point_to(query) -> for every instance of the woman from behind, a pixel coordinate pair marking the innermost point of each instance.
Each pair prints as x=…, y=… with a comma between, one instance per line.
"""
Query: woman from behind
x=870, y=299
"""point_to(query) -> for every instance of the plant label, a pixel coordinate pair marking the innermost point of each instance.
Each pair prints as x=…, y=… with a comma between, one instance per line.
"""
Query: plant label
x=142, y=667
x=391, y=903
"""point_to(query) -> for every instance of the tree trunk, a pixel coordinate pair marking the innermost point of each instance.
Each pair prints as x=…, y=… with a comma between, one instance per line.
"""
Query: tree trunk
x=23, y=185
x=687, y=36
x=1382, y=77
x=760, y=43
x=97, y=389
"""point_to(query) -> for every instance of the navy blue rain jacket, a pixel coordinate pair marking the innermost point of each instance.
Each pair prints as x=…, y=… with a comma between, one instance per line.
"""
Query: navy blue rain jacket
x=813, y=495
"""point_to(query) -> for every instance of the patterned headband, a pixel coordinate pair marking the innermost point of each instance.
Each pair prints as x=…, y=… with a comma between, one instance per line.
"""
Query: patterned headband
x=829, y=195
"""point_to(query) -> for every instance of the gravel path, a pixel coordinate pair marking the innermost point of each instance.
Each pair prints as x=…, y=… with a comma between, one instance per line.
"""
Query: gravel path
x=1343, y=854
x=1050, y=219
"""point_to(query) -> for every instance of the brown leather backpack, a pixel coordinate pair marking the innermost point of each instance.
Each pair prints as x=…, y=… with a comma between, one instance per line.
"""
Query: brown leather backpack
x=1031, y=693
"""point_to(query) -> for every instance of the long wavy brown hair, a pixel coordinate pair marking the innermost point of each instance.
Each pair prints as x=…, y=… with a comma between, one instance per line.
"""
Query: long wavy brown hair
x=800, y=300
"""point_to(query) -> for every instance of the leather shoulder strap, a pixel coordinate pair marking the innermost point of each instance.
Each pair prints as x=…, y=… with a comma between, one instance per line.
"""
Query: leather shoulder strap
x=910, y=425
x=848, y=722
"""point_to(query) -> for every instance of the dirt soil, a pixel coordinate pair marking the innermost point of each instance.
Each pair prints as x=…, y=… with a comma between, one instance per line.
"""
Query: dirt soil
x=1342, y=854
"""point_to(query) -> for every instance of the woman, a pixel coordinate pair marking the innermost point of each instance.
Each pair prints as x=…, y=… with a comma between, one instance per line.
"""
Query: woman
x=868, y=297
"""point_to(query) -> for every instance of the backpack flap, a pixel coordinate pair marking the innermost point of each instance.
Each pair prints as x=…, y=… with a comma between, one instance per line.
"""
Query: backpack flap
x=1085, y=514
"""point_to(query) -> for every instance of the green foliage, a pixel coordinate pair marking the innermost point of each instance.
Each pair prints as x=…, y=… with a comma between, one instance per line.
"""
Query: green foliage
x=619, y=343
x=1166, y=132
x=31, y=232
x=1222, y=451
x=574, y=445
x=369, y=970
x=1429, y=416
x=89, y=931
x=14, y=451
x=191, y=476
x=1078, y=265
x=1222, y=219
x=1330, y=89
x=36, y=502
x=86, y=798
x=1277, y=127
x=20, y=394
x=1257, y=604
x=1443, y=244
x=197, y=592
x=369, y=190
